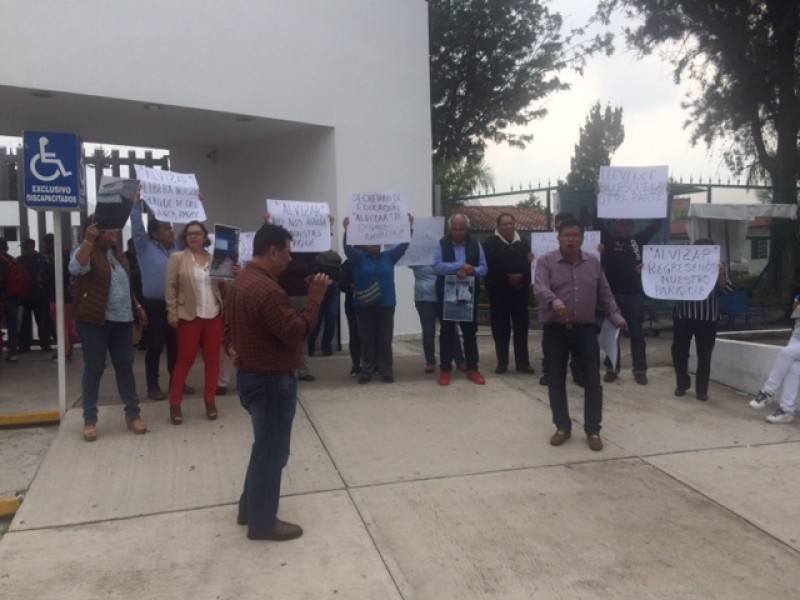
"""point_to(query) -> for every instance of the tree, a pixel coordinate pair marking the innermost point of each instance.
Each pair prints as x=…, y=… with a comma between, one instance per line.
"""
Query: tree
x=600, y=137
x=490, y=61
x=459, y=178
x=743, y=56
x=532, y=201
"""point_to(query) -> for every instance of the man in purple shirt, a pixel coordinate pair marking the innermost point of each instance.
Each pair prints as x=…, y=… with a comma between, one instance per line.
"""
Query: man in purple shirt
x=568, y=285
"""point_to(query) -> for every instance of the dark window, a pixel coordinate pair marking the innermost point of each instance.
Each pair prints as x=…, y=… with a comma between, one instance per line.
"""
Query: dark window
x=759, y=249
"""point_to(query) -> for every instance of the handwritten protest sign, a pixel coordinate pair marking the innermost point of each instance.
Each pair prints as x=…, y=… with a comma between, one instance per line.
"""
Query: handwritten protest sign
x=427, y=233
x=172, y=197
x=308, y=222
x=246, y=246
x=378, y=218
x=632, y=192
x=679, y=272
x=547, y=241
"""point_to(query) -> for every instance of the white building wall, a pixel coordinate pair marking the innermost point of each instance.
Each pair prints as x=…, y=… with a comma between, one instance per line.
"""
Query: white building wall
x=356, y=69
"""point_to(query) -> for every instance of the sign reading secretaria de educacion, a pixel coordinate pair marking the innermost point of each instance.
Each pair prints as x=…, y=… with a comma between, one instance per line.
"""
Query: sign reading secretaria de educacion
x=172, y=197
x=679, y=272
x=378, y=218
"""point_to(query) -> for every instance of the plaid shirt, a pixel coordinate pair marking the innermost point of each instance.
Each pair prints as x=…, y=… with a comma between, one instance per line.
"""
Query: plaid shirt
x=263, y=326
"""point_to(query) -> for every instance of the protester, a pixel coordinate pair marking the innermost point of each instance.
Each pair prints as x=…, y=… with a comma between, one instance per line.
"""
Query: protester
x=622, y=263
x=194, y=309
x=330, y=263
x=459, y=254
x=104, y=311
x=347, y=286
x=140, y=335
x=427, y=304
x=265, y=335
x=154, y=246
x=11, y=297
x=34, y=305
x=573, y=365
x=698, y=319
x=568, y=285
x=371, y=267
x=508, y=282
x=785, y=373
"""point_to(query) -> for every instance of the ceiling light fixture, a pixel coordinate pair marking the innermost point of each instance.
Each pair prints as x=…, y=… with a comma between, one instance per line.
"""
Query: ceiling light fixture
x=243, y=118
x=153, y=107
x=41, y=94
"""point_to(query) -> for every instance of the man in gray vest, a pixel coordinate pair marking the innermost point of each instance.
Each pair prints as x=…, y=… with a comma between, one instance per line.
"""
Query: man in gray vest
x=460, y=255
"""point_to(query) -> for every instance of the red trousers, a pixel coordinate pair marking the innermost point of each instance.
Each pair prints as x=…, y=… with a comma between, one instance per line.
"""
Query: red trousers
x=192, y=336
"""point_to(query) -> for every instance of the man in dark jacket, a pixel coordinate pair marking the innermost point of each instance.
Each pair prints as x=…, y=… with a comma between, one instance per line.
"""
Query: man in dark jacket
x=622, y=264
x=508, y=284
x=35, y=304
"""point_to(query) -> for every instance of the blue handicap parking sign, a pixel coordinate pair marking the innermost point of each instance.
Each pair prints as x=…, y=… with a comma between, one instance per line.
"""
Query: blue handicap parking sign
x=54, y=178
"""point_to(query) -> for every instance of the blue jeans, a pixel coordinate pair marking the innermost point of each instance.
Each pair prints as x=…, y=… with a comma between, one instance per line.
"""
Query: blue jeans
x=632, y=308
x=116, y=339
x=328, y=318
x=581, y=342
x=271, y=401
x=428, y=315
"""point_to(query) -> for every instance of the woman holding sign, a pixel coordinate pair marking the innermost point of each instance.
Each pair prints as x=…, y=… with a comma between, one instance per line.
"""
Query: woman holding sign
x=194, y=308
x=374, y=300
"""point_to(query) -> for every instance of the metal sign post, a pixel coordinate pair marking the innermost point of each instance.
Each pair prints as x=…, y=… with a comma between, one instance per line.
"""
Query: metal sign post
x=55, y=181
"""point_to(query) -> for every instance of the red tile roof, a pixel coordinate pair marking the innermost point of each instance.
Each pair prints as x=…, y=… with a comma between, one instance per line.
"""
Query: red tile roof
x=484, y=218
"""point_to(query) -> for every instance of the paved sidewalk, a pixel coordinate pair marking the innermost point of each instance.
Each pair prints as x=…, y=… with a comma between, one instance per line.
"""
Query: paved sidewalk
x=415, y=491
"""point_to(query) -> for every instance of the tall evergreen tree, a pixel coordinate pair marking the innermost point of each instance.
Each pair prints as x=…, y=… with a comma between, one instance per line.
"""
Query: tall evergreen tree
x=599, y=138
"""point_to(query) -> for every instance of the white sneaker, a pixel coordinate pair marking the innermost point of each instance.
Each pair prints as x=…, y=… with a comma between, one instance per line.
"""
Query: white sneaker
x=760, y=401
x=780, y=416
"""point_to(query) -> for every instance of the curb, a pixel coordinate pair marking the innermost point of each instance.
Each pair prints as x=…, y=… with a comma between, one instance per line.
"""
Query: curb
x=42, y=417
x=9, y=506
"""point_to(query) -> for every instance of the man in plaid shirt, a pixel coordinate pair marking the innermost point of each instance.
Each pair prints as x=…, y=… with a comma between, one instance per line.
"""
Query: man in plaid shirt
x=264, y=335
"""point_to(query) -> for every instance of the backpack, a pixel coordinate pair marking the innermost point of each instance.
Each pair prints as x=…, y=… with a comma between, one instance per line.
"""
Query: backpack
x=18, y=280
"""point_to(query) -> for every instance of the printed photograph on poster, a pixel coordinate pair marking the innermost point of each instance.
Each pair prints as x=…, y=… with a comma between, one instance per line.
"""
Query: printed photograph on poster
x=458, y=298
x=114, y=202
x=226, y=251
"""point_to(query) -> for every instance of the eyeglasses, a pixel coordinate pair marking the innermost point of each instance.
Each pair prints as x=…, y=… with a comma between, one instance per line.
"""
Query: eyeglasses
x=194, y=234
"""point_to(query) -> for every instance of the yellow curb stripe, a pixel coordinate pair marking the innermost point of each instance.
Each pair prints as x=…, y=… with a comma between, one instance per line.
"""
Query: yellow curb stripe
x=9, y=506
x=42, y=417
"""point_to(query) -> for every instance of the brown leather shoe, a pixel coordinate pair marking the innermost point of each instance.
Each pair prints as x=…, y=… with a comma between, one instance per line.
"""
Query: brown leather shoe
x=89, y=432
x=595, y=443
x=211, y=411
x=280, y=532
x=136, y=425
x=559, y=437
x=609, y=376
x=175, y=415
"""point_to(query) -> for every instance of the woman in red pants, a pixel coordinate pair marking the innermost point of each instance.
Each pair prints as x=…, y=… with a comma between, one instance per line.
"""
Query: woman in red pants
x=194, y=308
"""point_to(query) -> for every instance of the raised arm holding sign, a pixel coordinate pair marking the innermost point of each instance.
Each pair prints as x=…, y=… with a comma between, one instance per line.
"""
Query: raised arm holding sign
x=172, y=197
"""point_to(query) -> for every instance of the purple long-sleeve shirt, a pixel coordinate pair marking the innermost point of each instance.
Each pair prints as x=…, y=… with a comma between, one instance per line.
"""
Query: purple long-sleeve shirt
x=579, y=287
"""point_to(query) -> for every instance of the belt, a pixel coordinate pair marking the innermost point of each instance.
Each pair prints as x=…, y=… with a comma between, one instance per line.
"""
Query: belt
x=569, y=326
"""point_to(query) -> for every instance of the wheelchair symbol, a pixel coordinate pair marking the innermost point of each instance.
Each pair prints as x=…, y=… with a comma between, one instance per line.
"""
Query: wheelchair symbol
x=47, y=158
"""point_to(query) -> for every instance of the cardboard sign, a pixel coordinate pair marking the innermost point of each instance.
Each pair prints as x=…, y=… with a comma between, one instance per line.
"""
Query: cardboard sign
x=114, y=202
x=378, y=218
x=427, y=233
x=679, y=272
x=308, y=222
x=632, y=192
x=170, y=196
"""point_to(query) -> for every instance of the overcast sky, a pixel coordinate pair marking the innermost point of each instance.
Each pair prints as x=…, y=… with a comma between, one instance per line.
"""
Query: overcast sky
x=652, y=117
